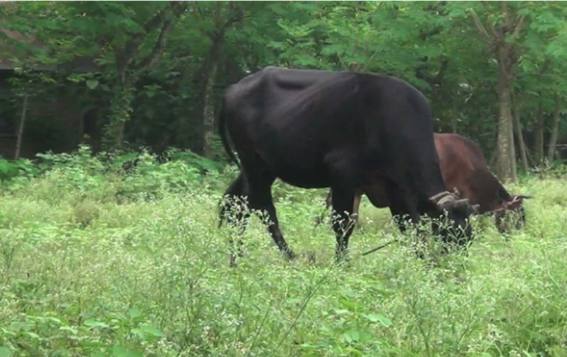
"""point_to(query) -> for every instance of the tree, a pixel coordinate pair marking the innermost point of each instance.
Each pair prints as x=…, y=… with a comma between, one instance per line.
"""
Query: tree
x=157, y=71
x=130, y=60
x=555, y=129
x=501, y=31
x=120, y=40
x=224, y=16
x=541, y=75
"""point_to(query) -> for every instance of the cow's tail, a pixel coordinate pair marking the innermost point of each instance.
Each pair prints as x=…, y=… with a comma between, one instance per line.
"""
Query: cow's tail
x=226, y=143
x=225, y=137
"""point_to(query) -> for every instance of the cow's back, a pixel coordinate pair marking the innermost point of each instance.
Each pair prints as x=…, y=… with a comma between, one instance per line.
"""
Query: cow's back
x=458, y=157
x=464, y=167
x=267, y=88
x=302, y=122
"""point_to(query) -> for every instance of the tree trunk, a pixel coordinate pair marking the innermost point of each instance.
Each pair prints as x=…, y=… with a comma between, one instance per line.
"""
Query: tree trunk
x=209, y=108
x=120, y=112
x=501, y=38
x=505, y=157
x=520, y=135
x=208, y=74
x=21, y=125
x=128, y=70
x=554, y=130
x=539, y=136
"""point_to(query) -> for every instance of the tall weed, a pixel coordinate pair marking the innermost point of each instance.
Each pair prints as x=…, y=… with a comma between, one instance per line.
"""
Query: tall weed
x=123, y=256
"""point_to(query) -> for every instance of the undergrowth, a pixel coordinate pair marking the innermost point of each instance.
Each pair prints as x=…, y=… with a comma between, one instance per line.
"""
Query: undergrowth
x=122, y=256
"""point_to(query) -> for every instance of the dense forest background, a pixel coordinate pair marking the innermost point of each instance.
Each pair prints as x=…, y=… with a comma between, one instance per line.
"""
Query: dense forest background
x=120, y=76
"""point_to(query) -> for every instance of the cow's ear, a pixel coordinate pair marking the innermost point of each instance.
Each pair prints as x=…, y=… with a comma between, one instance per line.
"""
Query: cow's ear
x=513, y=203
x=456, y=192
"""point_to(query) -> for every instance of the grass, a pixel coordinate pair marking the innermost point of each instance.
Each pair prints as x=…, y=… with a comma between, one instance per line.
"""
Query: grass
x=98, y=263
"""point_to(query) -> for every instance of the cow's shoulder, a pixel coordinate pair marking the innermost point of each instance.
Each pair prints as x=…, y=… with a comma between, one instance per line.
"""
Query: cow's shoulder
x=469, y=148
x=257, y=82
x=275, y=84
x=454, y=137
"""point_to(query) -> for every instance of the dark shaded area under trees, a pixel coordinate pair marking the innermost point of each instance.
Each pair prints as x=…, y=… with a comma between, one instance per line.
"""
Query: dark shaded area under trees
x=125, y=75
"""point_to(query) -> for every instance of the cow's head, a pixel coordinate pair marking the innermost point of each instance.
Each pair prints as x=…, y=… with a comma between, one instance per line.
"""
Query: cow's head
x=457, y=210
x=510, y=213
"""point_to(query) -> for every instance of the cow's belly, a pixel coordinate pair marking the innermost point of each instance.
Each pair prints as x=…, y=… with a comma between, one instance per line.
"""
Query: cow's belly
x=304, y=157
x=295, y=163
x=310, y=169
x=306, y=177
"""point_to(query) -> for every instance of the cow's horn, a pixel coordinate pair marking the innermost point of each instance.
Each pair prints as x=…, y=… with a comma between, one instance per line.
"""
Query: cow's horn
x=436, y=198
x=461, y=202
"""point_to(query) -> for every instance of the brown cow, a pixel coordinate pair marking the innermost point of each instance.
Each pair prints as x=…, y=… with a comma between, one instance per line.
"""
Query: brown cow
x=464, y=169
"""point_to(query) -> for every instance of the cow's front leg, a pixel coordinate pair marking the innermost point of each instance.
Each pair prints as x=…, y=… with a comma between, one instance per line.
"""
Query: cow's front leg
x=343, y=219
x=262, y=201
x=275, y=232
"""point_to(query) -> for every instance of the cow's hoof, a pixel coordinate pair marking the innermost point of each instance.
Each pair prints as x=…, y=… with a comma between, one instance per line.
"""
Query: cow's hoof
x=311, y=257
x=232, y=261
x=290, y=255
x=342, y=258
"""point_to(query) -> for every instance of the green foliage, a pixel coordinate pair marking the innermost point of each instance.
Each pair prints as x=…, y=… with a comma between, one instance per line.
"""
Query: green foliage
x=202, y=163
x=86, y=272
x=123, y=177
x=18, y=168
x=434, y=46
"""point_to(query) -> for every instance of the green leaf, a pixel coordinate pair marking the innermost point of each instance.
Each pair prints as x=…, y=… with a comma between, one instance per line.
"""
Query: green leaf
x=120, y=351
x=92, y=83
x=342, y=312
x=351, y=336
x=383, y=320
x=33, y=335
x=134, y=313
x=69, y=329
x=96, y=324
x=5, y=351
x=151, y=331
x=148, y=332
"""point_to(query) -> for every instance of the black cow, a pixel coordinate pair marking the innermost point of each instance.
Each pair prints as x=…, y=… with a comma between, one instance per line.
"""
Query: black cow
x=341, y=130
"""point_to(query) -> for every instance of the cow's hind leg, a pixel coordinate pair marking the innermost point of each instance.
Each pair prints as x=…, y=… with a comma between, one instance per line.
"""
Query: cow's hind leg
x=343, y=219
x=234, y=210
x=261, y=200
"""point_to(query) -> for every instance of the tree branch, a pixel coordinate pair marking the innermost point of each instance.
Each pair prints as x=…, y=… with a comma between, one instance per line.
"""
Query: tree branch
x=480, y=27
x=159, y=46
x=442, y=70
x=132, y=46
x=235, y=17
x=165, y=19
x=518, y=27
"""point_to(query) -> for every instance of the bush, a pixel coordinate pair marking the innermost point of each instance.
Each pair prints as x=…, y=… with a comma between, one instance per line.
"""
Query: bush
x=149, y=179
x=12, y=169
x=117, y=177
x=121, y=255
